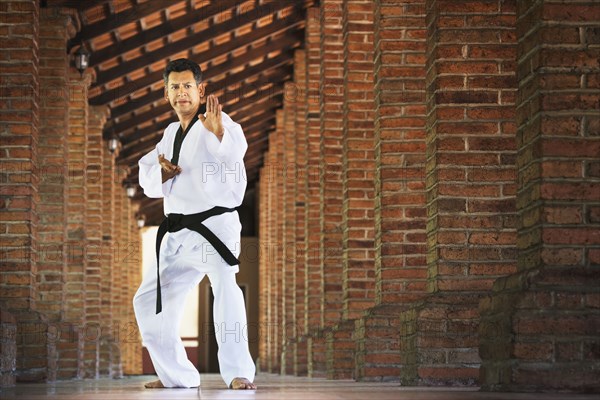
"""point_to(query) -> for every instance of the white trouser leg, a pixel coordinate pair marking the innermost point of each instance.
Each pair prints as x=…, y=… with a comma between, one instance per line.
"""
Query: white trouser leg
x=160, y=332
x=230, y=326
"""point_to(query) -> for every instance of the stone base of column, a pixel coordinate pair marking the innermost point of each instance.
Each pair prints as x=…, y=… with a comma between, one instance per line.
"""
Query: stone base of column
x=539, y=331
x=317, y=360
x=36, y=354
x=341, y=349
x=301, y=357
x=376, y=335
x=8, y=348
x=446, y=340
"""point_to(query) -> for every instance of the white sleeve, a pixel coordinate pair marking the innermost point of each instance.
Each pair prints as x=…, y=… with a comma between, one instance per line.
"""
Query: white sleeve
x=232, y=147
x=150, y=176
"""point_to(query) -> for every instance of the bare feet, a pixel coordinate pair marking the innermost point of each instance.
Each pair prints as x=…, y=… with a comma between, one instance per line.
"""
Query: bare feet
x=154, y=385
x=241, y=384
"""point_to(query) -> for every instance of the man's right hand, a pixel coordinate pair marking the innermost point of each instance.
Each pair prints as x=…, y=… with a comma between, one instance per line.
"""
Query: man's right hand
x=167, y=169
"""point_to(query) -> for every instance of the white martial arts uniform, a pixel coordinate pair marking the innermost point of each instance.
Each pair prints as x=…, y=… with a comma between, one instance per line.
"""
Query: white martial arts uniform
x=212, y=175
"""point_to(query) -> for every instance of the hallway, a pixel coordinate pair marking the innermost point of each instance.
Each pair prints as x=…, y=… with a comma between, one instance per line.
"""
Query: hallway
x=421, y=204
x=271, y=386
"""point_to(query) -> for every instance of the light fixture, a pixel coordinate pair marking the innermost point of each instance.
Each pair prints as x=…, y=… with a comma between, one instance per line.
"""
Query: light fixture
x=130, y=190
x=113, y=143
x=141, y=220
x=82, y=59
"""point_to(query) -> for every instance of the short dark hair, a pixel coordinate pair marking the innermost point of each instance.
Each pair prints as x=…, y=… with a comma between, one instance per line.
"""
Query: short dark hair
x=180, y=65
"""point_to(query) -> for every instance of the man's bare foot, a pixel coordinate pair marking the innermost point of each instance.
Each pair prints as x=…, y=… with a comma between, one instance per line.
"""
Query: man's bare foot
x=241, y=384
x=154, y=385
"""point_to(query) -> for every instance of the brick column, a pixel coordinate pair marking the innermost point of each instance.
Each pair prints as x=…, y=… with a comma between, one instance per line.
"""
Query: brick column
x=19, y=125
x=55, y=29
x=263, y=266
x=358, y=158
x=278, y=225
x=19, y=205
x=76, y=245
x=289, y=181
x=122, y=329
x=133, y=281
x=358, y=173
x=54, y=104
x=540, y=327
x=314, y=271
x=470, y=180
x=400, y=213
x=300, y=174
x=314, y=283
x=129, y=258
x=109, y=347
x=93, y=226
x=331, y=113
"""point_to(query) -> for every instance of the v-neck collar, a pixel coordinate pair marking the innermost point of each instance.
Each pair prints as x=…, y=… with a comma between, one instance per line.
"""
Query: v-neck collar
x=181, y=135
x=201, y=110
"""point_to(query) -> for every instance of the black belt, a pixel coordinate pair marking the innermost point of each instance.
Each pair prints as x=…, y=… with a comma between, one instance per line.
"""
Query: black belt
x=176, y=222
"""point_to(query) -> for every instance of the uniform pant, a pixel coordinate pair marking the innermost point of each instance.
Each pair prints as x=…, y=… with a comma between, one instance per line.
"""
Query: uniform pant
x=181, y=270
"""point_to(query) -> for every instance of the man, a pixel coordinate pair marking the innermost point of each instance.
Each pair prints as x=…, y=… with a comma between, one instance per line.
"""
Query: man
x=197, y=168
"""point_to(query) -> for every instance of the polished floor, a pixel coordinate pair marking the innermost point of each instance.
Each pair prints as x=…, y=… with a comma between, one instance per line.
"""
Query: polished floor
x=272, y=387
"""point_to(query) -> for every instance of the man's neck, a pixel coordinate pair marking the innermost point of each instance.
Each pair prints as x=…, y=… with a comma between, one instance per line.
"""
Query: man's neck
x=185, y=120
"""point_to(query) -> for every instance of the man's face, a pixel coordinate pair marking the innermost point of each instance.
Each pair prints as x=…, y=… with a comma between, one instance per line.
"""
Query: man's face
x=183, y=92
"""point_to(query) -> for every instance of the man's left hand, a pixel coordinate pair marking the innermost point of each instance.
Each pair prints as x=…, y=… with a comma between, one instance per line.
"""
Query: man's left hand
x=213, y=121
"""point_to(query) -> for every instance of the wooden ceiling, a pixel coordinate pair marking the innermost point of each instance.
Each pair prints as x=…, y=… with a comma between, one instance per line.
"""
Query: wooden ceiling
x=245, y=50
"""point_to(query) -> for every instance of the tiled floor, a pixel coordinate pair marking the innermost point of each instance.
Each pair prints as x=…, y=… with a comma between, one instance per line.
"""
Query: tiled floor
x=273, y=387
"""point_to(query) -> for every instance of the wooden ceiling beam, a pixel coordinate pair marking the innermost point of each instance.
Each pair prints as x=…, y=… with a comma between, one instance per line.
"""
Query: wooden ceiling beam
x=287, y=42
x=114, y=21
x=166, y=52
x=185, y=21
x=77, y=4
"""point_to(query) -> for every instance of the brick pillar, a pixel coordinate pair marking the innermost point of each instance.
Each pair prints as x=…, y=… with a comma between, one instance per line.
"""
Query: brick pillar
x=358, y=159
x=314, y=271
x=400, y=213
x=269, y=248
x=133, y=281
x=121, y=328
x=129, y=258
x=289, y=181
x=278, y=224
x=19, y=175
x=263, y=267
x=76, y=245
x=540, y=327
x=53, y=157
x=55, y=29
x=314, y=283
x=358, y=170
x=331, y=113
x=301, y=178
x=93, y=227
x=109, y=347
x=470, y=180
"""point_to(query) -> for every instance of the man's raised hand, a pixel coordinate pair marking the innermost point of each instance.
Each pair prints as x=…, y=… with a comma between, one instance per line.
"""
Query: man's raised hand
x=167, y=169
x=213, y=120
